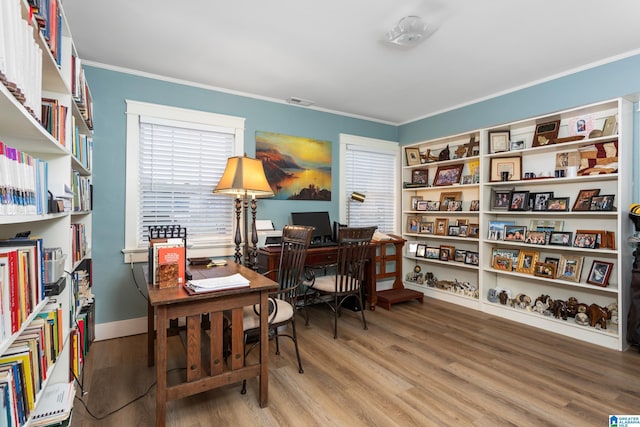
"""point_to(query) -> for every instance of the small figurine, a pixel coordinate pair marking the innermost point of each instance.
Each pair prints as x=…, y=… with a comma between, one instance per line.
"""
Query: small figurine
x=444, y=154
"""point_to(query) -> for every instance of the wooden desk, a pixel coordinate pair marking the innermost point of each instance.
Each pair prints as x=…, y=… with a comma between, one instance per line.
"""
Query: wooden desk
x=175, y=302
x=268, y=258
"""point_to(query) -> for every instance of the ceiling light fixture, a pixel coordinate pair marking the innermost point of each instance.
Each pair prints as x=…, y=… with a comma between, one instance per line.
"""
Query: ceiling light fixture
x=299, y=101
x=409, y=31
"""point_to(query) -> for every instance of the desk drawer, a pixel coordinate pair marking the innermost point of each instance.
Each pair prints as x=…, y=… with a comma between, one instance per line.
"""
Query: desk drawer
x=322, y=258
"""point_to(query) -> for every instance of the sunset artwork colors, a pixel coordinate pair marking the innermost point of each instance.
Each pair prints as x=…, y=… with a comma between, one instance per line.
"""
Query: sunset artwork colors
x=297, y=168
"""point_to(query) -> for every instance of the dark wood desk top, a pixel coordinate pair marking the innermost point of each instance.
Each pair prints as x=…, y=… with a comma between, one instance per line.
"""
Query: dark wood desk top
x=171, y=295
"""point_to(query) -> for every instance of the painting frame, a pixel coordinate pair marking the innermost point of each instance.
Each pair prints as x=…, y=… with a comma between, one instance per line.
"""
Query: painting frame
x=511, y=164
x=420, y=176
x=499, y=141
x=448, y=175
x=412, y=156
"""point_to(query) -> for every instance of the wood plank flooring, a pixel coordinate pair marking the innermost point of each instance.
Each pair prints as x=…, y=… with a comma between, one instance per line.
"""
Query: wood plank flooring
x=434, y=364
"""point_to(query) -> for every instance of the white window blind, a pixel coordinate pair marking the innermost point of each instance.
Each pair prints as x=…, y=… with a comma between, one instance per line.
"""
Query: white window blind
x=179, y=164
x=373, y=172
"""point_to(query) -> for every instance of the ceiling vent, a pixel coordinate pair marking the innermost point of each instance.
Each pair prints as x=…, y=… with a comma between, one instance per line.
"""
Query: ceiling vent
x=299, y=101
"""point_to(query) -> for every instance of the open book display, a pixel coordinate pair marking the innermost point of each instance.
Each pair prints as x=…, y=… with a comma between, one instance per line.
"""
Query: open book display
x=217, y=283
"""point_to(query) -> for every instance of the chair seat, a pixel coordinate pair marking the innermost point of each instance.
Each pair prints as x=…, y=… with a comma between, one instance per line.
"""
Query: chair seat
x=327, y=284
x=251, y=320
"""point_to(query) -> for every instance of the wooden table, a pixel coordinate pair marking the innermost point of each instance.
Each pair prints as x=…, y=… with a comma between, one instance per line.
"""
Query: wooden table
x=170, y=303
x=377, y=263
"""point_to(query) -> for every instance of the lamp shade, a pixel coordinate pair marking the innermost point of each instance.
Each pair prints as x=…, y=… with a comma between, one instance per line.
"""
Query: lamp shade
x=244, y=175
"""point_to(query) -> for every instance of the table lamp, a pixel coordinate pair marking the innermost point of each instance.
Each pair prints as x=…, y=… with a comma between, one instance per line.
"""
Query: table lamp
x=244, y=178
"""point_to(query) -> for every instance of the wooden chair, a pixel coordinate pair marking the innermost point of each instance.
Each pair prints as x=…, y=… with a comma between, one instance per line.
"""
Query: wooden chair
x=282, y=303
x=346, y=279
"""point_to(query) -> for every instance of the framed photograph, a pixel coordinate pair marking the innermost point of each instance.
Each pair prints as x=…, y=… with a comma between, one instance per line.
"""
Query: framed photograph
x=471, y=258
x=499, y=141
x=449, y=196
x=413, y=156
x=502, y=263
x=412, y=248
x=560, y=238
x=413, y=224
x=558, y=204
x=545, y=133
x=496, y=229
x=601, y=240
x=448, y=175
x=426, y=227
x=527, y=261
x=421, y=250
x=467, y=179
x=462, y=221
x=567, y=158
x=610, y=126
x=432, y=253
x=446, y=252
x=515, y=233
x=585, y=240
x=570, y=268
x=441, y=226
x=464, y=230
x=414, y=202
x=454, y=230
x=552, y=260
x=544, y=269
x=537, y=237
x=548, y=225
x=420, y=176
x=474, y=230
x=500, y=199
x=519, y=201
x=454, y=205
x=510, y=166
x=433, y=205
x=583, y=200
x=514, y=254
x=516, y=145
x=602, y=203
x=475, y=205
x=459, y=255
x=600, y=273
x=540, y=201
x=421, y=205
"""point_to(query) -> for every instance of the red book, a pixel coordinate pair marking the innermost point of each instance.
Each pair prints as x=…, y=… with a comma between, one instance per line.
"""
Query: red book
x=170, y=259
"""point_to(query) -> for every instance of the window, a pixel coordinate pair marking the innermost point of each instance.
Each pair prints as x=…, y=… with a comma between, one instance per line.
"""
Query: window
x=175, y=158
x=369, y=166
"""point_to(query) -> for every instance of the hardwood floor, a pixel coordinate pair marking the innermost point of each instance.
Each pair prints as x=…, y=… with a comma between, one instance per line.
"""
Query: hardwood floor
x=434, y=364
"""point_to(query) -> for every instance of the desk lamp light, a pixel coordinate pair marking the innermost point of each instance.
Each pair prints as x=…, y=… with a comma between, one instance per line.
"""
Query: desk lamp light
x=355, y=197
x=244, y=178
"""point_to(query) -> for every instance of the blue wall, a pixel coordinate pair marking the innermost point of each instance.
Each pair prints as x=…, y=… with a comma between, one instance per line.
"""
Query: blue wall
x=114, y=286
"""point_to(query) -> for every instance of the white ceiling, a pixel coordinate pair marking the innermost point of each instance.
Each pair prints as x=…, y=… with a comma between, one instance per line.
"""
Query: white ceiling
x=331, y=52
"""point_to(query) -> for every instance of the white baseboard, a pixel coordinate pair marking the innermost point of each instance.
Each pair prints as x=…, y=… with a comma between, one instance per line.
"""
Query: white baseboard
x=121, y=328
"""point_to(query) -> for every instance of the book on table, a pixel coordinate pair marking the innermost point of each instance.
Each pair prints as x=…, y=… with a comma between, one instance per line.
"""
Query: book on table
x=218, y=283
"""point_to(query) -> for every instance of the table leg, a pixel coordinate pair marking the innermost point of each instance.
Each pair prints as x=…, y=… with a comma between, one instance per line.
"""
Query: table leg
x=264, y=349
x=161, y=366
x=150, y=335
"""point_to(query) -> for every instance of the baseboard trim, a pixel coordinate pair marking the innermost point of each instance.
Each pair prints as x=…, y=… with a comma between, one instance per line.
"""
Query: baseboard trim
x=121, y=328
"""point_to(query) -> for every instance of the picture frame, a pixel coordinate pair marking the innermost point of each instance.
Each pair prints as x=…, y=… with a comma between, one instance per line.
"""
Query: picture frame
x=467, y=179
x=527, y=261
x=433, y=205
x=561, y=238
x=459, y=255
x=412, y=154
x=421, y=205
x=553, y=260
x=599, y=273
x=499, y=141
x=462, y=221
x=496, y=229
x=512, y=165
x=500, y=199
x=537, y=237
x=545, y=133
x=441, y=226
x=454, y=205
x=545, y=269
x=426, y=227
x=447, y=251
x=558, y=204
x=432, y=252
x=610, y=126
x=471, y=258
x=474, y=231
x=507, y=252
x=420, y=250
x=602, y=202
x=601, y=239
x=447, y=175
x=449, y=196
x=412, y=247
x=474, y=206
x=540, y=201
x=414, y=202
x=464, y=230
x=515, y=233
x=519, y=201
x=585, y=240
x=503, y=263
x=413, y=224
x=570, y=268
x=583, y=200
x=420, y=176
x=453, y=230
x=516, y=145
x=548, y=225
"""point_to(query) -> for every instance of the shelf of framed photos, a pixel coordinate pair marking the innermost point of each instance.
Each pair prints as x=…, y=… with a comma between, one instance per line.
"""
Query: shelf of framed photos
x=561, y=214
x=554, y=181
x=456, y=161
x=611, y=288
x=549, y=148
x=450, y=263
x=442, y=237
x=553, y=248
x=437, y=188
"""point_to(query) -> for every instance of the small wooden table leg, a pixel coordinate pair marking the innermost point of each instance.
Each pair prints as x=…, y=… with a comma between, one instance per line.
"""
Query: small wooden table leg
x=161, y=366
x=150, y=335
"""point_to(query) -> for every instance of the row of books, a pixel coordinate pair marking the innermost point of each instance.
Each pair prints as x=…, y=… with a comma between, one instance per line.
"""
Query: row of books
x=20, y=57
x=26, y=363
x=81, y=146
x=79, y=244
x=48, y=16
x=54, y=119
x=24, y=182
x=80, y=91
x=81, y=187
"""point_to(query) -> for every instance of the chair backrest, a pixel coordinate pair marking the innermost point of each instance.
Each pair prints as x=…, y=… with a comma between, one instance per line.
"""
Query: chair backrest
x=353, y=250
x=295, y=242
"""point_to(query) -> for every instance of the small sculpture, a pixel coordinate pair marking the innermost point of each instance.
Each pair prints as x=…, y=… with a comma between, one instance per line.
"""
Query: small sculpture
x=444, y=154
x=582, y=319
x=560, y=310
x=503, y=297
x=598, y=315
